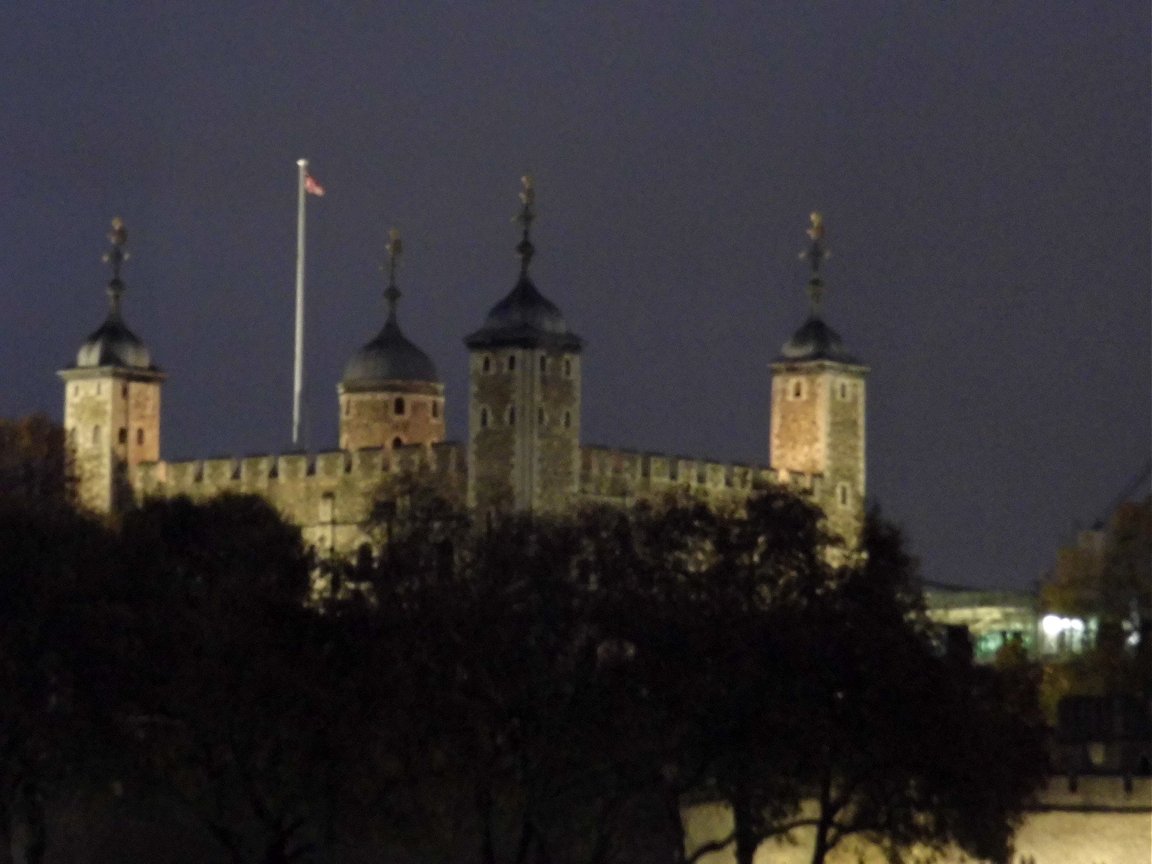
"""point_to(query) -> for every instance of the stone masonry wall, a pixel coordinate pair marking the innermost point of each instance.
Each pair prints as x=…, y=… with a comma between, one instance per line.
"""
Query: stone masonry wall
x=329, y=495
x=557, y=429
x=369, y=418
x=112, y=420
x=492, y=442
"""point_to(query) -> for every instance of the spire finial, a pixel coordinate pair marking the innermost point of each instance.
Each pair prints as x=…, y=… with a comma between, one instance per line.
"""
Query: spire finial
x=395, y=248
x=816, y=254
x=116, y=256
x=527, y=198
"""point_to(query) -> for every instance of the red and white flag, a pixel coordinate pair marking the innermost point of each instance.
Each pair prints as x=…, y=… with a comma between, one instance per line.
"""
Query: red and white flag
x=312, y=187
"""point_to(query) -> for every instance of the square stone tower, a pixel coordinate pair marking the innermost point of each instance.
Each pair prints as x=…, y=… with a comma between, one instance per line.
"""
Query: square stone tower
x=818, y=410
x=112, y=402
x=524, y=399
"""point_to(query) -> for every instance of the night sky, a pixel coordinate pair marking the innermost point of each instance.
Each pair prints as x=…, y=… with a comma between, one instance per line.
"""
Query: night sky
x=983, y=168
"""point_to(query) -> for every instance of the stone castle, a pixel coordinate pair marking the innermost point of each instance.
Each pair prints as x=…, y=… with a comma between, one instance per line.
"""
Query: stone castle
x=523, y=451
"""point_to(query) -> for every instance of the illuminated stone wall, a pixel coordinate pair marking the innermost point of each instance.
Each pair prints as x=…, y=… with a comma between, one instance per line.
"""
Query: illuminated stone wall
x=818, y=428
x=369, y=418
x=330, y=495
x=112, y=420
x=524, y=429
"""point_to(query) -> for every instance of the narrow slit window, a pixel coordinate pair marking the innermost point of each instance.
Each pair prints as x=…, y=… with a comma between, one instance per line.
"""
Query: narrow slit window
x=511, y=415
x=398, y=406
x=483, y=418
x=486, y=364
x=139, y=436
x=512, y=363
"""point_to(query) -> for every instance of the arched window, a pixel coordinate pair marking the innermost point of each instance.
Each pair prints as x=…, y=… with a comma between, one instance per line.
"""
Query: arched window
x=435, y=409
x=511, y=415
x=397, y=442
x=486, y=364
x=123, y=436
x=483, y=418
x=511, y=362
x=124, y=390
x=567, y=368
x=398, y=406
x=139, y=436
x=796, y=389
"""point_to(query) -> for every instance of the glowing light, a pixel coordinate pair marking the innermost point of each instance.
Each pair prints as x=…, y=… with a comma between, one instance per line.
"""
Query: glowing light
x=1054, y=625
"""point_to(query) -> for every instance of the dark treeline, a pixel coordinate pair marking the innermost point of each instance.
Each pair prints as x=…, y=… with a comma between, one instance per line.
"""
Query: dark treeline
x=524, y=691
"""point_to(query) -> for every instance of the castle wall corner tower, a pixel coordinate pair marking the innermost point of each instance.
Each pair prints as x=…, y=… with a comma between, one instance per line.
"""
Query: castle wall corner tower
x=391, y=394
x=111, y=402
x=524, y=398
x=818, y=410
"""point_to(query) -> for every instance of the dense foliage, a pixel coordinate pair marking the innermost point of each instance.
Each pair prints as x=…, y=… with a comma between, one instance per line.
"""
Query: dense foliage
x=524, y=690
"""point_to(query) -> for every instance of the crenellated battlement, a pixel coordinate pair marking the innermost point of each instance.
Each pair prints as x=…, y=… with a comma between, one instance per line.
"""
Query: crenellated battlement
x=259, y=474
x=329, y=494
x=617, y=474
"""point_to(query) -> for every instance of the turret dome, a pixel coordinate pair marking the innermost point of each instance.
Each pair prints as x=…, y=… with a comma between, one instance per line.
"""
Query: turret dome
x=525, y=318
x=113, y=344
x=815, y=340
x=389, y=357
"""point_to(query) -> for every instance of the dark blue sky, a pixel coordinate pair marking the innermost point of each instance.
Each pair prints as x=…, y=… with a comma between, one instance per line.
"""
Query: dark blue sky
x=983, y=167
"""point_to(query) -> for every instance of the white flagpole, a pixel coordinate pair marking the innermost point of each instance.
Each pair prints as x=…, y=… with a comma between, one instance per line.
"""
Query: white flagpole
x=298, y=368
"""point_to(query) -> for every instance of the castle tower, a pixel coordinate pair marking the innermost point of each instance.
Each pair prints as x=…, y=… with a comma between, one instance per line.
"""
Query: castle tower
x=112, y=401
x=390, y=394
x=524, y=400
x=818, y=404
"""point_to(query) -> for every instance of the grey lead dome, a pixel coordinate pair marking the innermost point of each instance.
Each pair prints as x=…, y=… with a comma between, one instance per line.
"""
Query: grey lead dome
x=815, y=340
x=525, y=317
x=389, y=357
x=113, y=344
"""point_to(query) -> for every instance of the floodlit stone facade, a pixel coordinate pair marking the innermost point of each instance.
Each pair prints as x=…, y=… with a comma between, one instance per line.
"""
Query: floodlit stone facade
x=523, y=451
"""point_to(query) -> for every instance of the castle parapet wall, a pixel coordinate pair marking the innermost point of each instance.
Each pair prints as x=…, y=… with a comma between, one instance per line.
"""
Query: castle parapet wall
x=612, y=474
x=329, y=495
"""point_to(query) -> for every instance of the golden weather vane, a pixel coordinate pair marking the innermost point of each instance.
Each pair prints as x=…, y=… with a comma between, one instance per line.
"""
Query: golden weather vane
x=816, y=254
